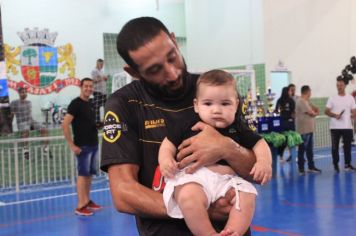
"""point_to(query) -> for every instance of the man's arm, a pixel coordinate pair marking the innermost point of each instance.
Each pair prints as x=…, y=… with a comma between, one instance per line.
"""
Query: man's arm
x=209, y=146
x=68, y=118
x=97, y=77
x=354, y=117
x=130, y=196
x=331, y=114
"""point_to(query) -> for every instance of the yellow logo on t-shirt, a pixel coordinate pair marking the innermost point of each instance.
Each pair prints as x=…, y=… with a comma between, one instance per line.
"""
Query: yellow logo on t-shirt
x=149, y=124
x=112, y=127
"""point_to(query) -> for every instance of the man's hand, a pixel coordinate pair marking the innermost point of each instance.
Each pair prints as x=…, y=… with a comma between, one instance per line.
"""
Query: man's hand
x=220, y=209
x=261, y=172
x=75, y=149
x=168, y=167
x=202, y=149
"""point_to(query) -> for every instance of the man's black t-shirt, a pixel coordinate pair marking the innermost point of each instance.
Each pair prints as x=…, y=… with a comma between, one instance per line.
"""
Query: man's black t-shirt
x=83, y=124
x=135, y=124
x=237, y=131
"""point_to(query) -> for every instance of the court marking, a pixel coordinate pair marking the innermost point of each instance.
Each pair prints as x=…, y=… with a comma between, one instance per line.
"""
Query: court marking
x=47, y=198
x=322, y=206
x=321, y=156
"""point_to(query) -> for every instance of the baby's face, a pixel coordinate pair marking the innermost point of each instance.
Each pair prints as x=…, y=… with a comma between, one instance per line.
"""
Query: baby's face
x=216, y=105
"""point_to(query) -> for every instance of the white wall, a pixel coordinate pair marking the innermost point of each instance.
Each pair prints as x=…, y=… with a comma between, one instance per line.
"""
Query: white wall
x=81, y=23
x=315, y=39
x=224, y=33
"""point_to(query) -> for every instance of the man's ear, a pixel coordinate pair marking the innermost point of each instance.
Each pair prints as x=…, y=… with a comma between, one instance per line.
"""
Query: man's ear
x=131, y=71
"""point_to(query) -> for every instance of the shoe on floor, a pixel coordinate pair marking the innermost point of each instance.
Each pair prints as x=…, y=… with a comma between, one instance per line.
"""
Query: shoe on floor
x=301, y=172
x=84, y=211
x=349, y=167
x=337, y=169
x=314, y=170
x=93, y=206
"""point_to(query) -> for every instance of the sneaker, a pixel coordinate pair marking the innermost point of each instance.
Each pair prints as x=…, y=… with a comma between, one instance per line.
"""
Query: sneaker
x=26, y=154
x=93, y=206
x=84, y=211
x=337, y=169
x=301, y=172
x=314, y=170
x=349, y=167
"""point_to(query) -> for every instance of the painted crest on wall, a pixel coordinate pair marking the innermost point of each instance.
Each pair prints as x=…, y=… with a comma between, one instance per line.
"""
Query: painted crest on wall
x=44, y=67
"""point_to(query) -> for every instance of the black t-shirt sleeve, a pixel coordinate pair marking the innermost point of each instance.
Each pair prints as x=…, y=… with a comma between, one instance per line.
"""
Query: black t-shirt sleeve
x=120, y=136
x=247, y=137
x=73, y=107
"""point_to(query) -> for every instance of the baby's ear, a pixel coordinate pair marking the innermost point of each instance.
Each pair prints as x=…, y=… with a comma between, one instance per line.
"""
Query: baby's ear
x=195, y=101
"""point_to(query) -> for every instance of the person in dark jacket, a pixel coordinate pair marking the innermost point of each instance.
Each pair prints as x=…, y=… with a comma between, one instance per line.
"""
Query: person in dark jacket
x=286, y=107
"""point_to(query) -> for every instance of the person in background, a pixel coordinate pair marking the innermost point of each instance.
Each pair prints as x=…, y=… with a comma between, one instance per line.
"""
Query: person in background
x=22, y=109
x=286, y=107
x=340, y=108
x=135, y=124
x=189, y=195
x=291, y=88
x=84, y=145
x=100, y=80
x=305, y=126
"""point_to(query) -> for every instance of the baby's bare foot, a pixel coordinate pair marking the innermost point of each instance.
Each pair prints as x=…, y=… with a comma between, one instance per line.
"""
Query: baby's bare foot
x=228, y=232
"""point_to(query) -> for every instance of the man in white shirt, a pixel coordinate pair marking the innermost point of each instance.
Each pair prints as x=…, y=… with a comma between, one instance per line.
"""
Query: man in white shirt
x=340, y=108
x=99, y=79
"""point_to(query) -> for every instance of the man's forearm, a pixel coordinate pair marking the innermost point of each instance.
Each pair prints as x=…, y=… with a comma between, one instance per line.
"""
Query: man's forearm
x=131, y=197
x=239, y=158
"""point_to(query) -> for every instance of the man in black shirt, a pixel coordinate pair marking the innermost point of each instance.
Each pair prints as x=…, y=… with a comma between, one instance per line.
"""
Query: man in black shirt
x=135, y=123
x=85, y=144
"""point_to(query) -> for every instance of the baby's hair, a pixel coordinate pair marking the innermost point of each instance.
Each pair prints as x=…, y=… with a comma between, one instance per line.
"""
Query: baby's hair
x=216, y=78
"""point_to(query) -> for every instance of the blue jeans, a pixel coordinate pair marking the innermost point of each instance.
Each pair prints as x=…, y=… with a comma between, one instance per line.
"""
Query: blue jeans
x=306, y=146
x=87, y=161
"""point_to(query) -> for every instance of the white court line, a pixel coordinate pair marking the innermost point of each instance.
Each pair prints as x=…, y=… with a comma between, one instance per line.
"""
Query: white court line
x=318, y=156
x=46, y=198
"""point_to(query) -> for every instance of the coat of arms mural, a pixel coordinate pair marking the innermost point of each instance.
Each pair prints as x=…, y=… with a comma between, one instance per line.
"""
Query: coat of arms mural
x=39, y=65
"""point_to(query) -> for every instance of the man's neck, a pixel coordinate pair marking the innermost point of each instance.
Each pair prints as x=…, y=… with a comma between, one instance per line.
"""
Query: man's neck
x=85, y=98
x=342, y=93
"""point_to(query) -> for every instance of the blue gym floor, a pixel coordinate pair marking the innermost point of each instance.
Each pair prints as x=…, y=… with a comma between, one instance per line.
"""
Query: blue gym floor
x=314, y=204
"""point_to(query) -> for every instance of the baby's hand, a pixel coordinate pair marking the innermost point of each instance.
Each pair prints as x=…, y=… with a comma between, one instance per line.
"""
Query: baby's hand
x=168, y=168
x=262, y=172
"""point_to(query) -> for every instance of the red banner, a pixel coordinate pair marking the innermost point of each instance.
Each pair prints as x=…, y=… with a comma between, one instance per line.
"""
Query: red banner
x=56, y=86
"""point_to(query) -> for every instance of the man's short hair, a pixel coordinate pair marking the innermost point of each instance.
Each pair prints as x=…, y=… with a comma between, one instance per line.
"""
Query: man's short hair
x=304, y=89
x=100, y=60
x=216, y=78
x=136, y=33
x=20, y=89
x=291, y=85
x=85, y=79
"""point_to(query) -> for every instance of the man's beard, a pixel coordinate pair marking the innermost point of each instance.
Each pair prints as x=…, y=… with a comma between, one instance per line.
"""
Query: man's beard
x=166, y=92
